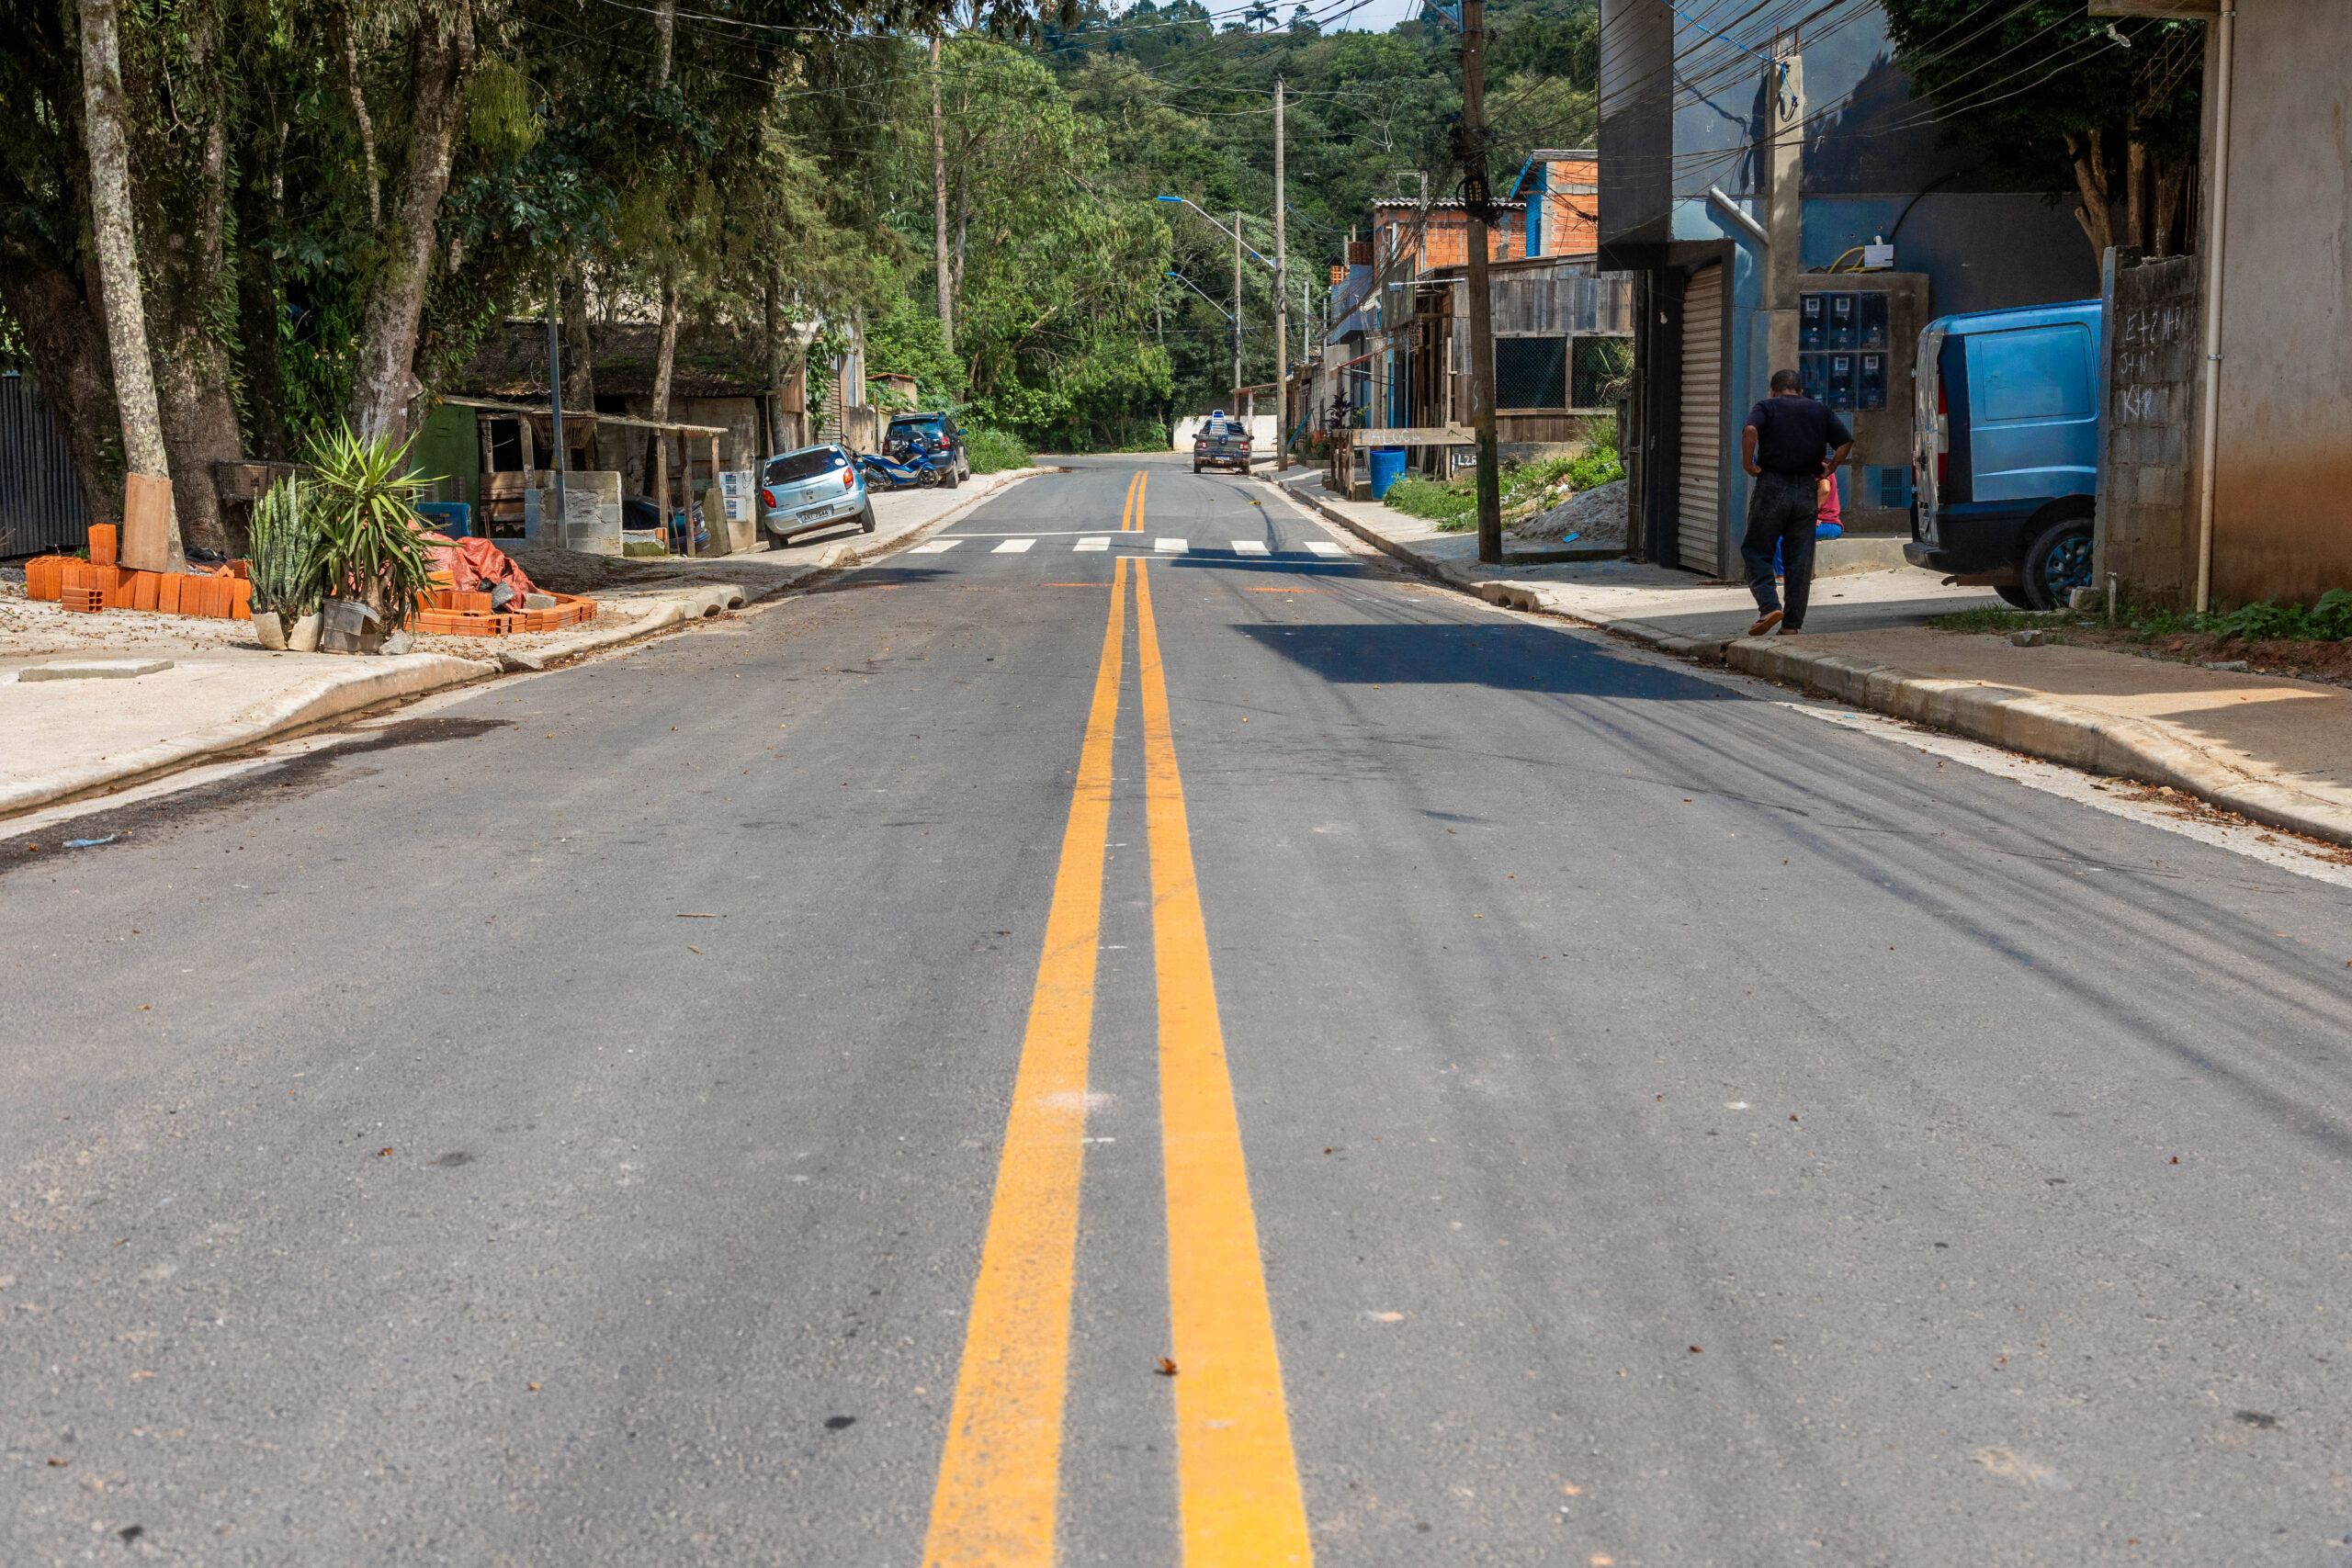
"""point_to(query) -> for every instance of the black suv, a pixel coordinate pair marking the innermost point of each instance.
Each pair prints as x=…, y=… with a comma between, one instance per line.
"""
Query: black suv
x=935, y=435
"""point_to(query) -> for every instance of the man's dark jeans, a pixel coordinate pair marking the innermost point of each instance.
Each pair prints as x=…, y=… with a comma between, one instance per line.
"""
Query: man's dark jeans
x=1782, y=511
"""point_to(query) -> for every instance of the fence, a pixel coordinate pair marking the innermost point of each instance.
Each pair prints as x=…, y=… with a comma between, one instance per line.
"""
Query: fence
x=41, y=500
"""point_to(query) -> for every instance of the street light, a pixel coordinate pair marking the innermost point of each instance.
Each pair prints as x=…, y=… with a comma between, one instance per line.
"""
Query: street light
x=1282, y=332
x=1196, y=288
x=1220, y=228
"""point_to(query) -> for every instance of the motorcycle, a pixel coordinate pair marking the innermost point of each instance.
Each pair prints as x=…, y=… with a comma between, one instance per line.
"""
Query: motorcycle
x=909, y=468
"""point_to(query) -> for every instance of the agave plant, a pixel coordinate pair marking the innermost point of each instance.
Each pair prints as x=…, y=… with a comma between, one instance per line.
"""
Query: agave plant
x=360, y=501
x=285, y=551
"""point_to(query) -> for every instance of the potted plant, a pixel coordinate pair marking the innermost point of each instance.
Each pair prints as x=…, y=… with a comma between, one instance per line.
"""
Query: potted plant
x=372, y=557
x=285, y=569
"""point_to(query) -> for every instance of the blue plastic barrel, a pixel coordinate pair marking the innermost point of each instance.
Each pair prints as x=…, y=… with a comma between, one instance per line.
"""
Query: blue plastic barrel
x=1388, y=467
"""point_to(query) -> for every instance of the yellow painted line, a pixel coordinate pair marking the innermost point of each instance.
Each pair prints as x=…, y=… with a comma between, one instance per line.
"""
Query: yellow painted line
x=1237, y=1476
x=999, y=1479
x=1127, y=507
x=1132, y=521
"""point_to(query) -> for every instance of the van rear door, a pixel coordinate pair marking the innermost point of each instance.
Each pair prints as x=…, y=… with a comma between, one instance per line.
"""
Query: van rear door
x=2033, y=417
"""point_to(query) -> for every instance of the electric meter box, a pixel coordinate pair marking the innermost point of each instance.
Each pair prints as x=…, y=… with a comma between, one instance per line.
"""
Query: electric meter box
x=1858, y=336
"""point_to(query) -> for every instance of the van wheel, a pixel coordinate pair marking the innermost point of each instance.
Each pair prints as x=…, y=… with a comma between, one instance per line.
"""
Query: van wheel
x=2058, y=563
x=2014, y=595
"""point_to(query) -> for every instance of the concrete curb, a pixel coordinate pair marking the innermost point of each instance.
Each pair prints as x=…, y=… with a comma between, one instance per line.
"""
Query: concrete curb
x=2146, y=750
x=848, y=553
x=334, y=695
x=1386, y=547
x=702, y=601
x=2018, y=721
x=699, y=601
x=328, y=695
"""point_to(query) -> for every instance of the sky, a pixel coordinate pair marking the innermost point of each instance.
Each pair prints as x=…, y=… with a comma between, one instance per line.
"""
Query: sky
x=1379, y=15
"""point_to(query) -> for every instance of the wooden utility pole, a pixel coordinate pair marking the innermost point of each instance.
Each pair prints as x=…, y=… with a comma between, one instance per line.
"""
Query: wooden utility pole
x=555, y=405
x=939, y=206
x=1471, y=151
x=1236, y=409
x=1282, y=300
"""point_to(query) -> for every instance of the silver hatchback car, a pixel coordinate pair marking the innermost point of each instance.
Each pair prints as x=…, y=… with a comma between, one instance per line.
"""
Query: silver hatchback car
x=817, y=487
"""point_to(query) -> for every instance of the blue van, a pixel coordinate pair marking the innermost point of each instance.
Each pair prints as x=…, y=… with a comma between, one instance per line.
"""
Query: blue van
x=2005, y=450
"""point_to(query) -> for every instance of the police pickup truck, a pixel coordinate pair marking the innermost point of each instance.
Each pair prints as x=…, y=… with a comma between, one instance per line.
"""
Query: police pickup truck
x=1221, y=442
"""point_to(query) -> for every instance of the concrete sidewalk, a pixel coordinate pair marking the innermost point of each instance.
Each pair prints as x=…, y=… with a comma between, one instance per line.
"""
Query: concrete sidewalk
x=221, y=692
x=2273, y=749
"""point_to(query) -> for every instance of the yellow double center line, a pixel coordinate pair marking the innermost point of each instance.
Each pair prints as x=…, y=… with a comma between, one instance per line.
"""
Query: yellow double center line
x=1000, y=1477
x=996, y=1501
x=1237, y=1476
x=1131, y=511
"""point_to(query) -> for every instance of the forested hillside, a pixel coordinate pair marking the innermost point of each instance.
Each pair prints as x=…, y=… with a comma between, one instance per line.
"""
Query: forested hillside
x=1070, y=331
x=333, y=206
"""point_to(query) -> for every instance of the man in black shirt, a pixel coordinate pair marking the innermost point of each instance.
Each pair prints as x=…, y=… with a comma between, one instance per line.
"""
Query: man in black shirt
x=1782, y=448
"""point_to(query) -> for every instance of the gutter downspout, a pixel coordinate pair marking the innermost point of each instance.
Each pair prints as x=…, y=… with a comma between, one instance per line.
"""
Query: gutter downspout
x=2213, y=314
x=1730, y=209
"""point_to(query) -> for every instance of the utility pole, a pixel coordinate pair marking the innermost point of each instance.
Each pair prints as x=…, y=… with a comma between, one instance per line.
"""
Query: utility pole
x=939, y=206
x=1470, y=146
x=1237, y=315
x=1282, y=300
x=555, y=412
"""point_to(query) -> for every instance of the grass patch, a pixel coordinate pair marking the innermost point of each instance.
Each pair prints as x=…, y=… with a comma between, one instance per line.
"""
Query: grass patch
x=993, y=451
x=2329, y=620
x=1451, y=507
x=1990, y=619
x=1526, y=488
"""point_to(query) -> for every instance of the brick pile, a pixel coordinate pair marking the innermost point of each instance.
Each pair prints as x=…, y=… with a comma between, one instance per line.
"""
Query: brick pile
x=101, y=583
x=454, y=612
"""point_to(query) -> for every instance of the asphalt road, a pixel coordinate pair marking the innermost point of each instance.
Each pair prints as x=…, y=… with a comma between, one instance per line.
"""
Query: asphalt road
x=578, y=1123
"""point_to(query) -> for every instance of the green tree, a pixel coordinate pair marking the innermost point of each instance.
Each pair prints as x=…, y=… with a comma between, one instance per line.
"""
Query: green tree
x=2060, y=98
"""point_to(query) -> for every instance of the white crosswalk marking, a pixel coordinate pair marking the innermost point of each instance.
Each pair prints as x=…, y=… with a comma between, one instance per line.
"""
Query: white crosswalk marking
x=1171, y=547
x=1249, y=546
x=1013, y=547
x=935, y=547
x=1100, y=542
x=1325, y=547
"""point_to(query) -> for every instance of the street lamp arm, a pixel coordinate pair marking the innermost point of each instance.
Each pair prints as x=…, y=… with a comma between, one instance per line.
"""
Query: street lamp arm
x=1221, y=229
x=1195, y=289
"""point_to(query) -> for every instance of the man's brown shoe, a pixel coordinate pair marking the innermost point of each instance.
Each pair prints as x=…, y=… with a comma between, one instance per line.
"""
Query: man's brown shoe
x=1765, y=622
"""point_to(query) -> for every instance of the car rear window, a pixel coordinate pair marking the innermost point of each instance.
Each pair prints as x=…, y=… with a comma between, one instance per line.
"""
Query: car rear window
x=901, y=428
x=806, y=464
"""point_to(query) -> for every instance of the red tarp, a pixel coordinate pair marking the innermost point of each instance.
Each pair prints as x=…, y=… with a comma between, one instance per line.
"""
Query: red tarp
x=477, y=564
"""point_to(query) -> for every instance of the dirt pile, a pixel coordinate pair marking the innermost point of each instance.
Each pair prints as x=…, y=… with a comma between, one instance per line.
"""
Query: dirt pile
x=1596, y=516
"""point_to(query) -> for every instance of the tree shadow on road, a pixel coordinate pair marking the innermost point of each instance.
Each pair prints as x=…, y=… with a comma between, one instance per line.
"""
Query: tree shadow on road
x=1508, y=657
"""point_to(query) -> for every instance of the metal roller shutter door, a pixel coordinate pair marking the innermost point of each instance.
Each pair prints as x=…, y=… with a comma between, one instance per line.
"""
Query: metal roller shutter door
x=1698, y=520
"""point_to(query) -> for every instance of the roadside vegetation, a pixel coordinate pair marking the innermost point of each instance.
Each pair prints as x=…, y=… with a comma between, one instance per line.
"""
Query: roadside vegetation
x=2311, y=642
x=2329, y=620
x=1528, y=489
x=993, y=451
